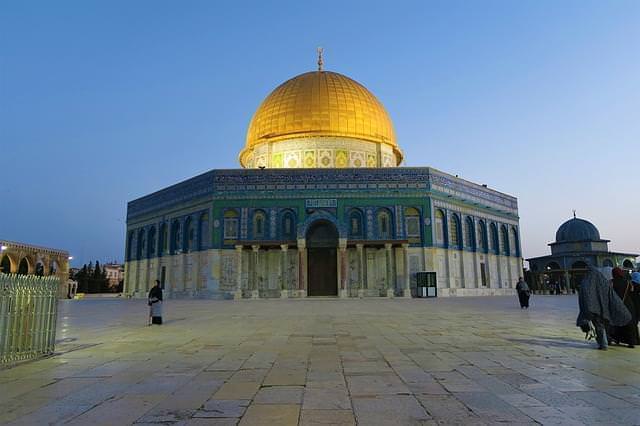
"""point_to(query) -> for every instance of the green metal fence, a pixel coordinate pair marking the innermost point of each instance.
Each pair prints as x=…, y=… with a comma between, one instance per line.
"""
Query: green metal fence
x=28, y=311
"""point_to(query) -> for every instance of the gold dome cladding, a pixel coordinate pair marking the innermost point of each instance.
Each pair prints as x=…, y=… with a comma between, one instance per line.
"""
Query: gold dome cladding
x=321, y=104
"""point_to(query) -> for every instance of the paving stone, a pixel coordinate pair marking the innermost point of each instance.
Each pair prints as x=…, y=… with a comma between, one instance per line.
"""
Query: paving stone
x=445, y=361
x=223, y=408
x=240, y=390
x=376, y=385
x=271, y=414
x=327, y=417
x=326, y=399
x=388, y=409
x=279, y=395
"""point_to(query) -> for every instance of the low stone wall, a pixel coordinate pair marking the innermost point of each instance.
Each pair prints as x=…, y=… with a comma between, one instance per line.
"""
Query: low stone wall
x=28, y=312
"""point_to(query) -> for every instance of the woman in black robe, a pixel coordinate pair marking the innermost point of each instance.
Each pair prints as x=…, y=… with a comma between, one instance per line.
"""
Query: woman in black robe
x=600, y=305
x=524, y=292
x=628, y=333
x=155, y=304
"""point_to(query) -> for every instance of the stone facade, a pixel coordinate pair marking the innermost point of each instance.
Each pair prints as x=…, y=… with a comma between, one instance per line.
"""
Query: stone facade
x=28, y=259
x=252, y=234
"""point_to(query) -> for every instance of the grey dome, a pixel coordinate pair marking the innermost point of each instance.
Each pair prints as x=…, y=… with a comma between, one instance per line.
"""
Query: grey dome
x=577, y=230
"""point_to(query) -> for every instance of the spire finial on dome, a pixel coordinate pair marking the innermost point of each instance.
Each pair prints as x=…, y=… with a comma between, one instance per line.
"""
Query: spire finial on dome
x=574, y=214
x=320, y=59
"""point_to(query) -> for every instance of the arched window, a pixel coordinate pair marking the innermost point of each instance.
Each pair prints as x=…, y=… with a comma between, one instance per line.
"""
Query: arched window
x=204, y=231
x=440, y=227
x=39, y=269
x=288, y=226
x=514, y=243
x=454, y=232
x=627, y=264
x=130, y=241
x=151, y=242
x=412, y=222
x=23, y=269
x=495, y=243
x=141, y=244
x=190, y=235
x=355, y=224
x=230, y=225
x=384, y=224
x=176, y=237
x=469, y=234
x=5, y=265
x=504, y=234
x=259, y=220
x=482, y=236
x=164, y=239
x=53, y=268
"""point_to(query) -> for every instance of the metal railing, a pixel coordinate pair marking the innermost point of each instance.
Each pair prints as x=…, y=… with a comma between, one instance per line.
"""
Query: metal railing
x=28, y=311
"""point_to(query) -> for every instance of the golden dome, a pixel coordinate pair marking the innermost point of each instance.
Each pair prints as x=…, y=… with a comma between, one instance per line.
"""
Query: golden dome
x=320, y=104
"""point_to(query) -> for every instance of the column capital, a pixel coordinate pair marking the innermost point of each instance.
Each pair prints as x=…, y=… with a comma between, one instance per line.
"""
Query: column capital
x=405, y=245
x=342, y=243
x=302, y=243
x=388, y=246
x=284, y=247
x=255, y=247
x=239, y=247
x=360, y=246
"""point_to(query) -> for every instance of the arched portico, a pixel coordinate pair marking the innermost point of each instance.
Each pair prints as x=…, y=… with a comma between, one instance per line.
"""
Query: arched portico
x=322, y=269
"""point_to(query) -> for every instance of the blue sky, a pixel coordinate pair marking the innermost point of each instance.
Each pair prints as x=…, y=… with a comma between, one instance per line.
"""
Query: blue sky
x=103, y=102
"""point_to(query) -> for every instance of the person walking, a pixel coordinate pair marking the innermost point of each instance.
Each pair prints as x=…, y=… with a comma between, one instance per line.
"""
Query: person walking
x=635, y=297
x=155, y=304
x=524, y=292
x=601, y=305
x=628, y=333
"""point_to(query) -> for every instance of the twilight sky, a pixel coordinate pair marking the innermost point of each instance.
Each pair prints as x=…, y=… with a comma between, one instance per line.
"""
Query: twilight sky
x=103, y=102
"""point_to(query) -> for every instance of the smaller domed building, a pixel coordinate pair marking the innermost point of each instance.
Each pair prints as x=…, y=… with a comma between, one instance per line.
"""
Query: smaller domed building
x=578, y=245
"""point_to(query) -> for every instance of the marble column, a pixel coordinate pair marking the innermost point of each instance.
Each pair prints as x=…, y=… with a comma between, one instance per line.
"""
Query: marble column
x=389, y=270
x=284, y=276
x=238, y=292
x=405, y=267
x=302, y=268
x=343, y=276
x=361, y=270
x=567, y=282
x=255, y=286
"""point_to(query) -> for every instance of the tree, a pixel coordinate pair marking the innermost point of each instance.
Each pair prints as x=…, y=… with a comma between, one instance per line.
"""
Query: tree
x=92, y=279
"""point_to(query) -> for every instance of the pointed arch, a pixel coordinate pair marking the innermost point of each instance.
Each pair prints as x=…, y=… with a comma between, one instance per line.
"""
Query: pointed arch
x=141, y=243
x=441, y=236
x=385, y=224
x=176, y=237
x=189, y=235
x=356, y=223
x=483, y=243
x=204, y=233
x=259, y=225
x=494, y=241
x=288, y=225
x=412, y=222
x=469, y=233
x=151, y=242
x=455, y=232
x=504, y=239
x=163, y=241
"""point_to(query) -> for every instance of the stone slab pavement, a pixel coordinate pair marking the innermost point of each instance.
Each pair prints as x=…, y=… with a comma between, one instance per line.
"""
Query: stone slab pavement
x=324, y=361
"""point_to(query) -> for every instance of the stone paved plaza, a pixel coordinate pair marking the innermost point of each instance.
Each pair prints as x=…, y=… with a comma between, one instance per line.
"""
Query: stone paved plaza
x=330, y=361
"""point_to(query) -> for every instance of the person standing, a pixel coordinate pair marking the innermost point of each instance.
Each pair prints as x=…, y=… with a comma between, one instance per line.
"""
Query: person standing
x=155, y=304
x=628, y=333
x=524, y=292
x=635, y=297
x=601, y=305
